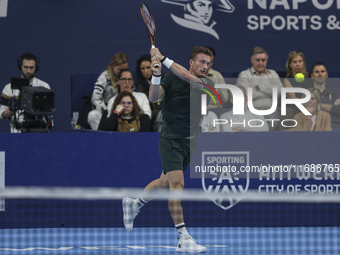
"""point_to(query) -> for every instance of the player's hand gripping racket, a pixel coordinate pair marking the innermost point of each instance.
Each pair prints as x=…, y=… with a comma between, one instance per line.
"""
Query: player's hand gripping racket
x=149, y=24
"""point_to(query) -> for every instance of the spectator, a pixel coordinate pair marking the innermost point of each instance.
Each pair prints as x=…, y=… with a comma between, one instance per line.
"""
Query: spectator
x=144, y=74
x=296, y=63
x=106, y=87
x=261, y=81
x=330, y=99
x=125, y=81
x=243, y=123
x=208, y=123
x=126, y=116
x=28, y=64
x=217, y=78
x=318, y=121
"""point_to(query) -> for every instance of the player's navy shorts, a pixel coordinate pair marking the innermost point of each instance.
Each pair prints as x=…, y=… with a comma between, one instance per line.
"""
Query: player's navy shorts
x=176, y=153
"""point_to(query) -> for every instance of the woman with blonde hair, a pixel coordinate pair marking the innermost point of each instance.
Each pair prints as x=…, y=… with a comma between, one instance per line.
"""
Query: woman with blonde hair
x=318, y=121
x=296, y=63
x=106, y=87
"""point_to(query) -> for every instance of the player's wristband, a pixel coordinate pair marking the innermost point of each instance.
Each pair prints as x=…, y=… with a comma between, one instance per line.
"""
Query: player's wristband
x=162, y=60
x=116, y=112
x=156, y=79
x=167, y=62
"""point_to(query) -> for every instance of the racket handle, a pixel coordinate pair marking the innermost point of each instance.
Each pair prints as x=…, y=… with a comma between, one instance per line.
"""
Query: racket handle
x=155, y=65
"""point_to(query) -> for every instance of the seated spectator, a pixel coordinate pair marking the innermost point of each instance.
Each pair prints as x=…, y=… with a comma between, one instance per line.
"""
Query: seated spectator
x=106, y=87
x=330, y=98
x=318, y=121
x=126, y=116
x=125, y=82
x=217, y=78
x=246, y=122
x=262, y=81
x=144, y=74
x=208, y=123
x=296, y=63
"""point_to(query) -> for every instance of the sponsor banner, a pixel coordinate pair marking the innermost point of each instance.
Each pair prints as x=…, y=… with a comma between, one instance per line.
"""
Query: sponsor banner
x=232, y=164
x=211, y=16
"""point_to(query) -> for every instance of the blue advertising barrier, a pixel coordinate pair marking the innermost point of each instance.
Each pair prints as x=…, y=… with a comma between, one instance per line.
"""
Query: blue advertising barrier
x=105, y=159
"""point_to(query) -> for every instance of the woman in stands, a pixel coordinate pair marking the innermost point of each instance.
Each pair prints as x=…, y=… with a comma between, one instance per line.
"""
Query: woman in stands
x=296, y=63
x=318, y=121
x=126, y=116
x=106, y=87
x=144, y=74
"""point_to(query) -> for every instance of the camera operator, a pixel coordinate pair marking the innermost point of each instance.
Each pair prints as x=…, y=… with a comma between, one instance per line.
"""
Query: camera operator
x=28, y=64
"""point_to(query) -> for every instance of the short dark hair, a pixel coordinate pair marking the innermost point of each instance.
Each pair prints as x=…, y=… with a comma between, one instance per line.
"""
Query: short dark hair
x=123, y=71
x=318, y=64
x=200, y=49
x=212, y=50
x=28, y=56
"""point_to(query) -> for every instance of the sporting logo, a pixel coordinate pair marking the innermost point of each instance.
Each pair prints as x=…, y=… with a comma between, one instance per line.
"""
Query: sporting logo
x=223, y=179
x=198, y=14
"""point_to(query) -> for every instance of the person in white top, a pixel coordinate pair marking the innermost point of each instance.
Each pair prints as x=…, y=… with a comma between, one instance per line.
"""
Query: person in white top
x=242, y=123
x=262, y=81
x=208, y=123
x=126, y=81
x=106, y=87
x=28, y=64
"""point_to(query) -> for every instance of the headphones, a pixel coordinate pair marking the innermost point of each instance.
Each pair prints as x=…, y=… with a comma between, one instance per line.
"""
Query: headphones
x=29, y=56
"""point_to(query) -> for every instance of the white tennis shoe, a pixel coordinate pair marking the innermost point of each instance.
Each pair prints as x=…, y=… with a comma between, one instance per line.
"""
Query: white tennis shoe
x=128, y=213
x=189, y=245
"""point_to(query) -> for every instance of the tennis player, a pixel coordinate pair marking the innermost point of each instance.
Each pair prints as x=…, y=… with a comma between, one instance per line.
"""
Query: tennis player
x=181, y=90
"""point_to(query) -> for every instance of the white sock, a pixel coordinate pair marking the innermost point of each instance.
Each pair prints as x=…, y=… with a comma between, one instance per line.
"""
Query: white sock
x=138, y=203
x=182, y=230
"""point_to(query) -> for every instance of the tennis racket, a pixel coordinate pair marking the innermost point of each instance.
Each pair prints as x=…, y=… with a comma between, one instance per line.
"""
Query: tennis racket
x=149, y=24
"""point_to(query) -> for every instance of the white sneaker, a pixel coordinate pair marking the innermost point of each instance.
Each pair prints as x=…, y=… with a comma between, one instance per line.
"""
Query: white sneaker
x=128, y=213
x=189, y=245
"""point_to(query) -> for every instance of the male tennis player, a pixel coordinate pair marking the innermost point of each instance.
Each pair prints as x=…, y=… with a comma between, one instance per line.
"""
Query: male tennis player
x=177, y=141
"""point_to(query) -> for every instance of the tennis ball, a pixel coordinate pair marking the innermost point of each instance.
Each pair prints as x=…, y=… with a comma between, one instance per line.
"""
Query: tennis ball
x=299, y=77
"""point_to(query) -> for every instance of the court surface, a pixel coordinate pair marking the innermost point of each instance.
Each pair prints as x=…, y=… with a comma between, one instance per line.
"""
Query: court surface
x=235, y=240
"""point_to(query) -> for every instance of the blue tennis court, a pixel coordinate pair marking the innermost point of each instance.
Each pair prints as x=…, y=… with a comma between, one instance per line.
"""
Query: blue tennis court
x=234, y=240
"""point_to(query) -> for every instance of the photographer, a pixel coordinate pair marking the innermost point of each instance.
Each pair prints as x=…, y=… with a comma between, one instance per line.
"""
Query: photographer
x=28, y=64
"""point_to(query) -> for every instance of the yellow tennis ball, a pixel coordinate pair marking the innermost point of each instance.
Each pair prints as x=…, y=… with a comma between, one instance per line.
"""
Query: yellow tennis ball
x=299, y=77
